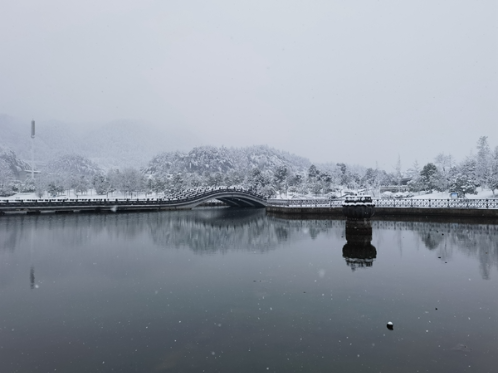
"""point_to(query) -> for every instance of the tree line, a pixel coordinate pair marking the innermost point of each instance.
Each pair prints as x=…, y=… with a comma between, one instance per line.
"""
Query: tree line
x=444, y=174
x=79, y=175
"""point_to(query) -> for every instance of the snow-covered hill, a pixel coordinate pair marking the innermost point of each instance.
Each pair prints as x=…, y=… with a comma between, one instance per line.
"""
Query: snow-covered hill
x=71, y=164
x=212, y=159
x=11, y=167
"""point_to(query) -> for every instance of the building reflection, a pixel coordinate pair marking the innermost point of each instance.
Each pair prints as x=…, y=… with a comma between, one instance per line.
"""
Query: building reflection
x=358, y=251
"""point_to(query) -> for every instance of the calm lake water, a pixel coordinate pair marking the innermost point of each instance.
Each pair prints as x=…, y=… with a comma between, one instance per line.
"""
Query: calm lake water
x=225, y=290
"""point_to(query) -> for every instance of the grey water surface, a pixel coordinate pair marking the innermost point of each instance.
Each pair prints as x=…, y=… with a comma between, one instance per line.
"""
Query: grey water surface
x=222, y=290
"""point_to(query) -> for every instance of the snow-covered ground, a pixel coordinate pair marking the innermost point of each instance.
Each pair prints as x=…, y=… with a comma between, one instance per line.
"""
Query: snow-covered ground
x=89, y=195
x=481, y=194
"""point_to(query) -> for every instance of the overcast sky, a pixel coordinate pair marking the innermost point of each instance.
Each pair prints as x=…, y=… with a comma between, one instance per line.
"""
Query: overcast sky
x=352, y=81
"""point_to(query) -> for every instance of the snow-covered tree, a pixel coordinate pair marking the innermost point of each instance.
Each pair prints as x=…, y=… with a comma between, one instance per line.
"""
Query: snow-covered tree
x=113, y=176
x=493, y=178
x=176, y=183
x=40, y=187
x=195, y=180
x=79, y=184
x=325, y=181
x=158, y=185
x=101, y=184
x=483, y=161
x=233, y=178
x=413, y=173
x=398, y=174
x=72, y=164
x=280, y=178
x=12, y=163
x=444, y=163
x=215, y=179
x=54, y=188
x=296, y=184
x=11, y=172
x=343, y=174
x=462, y=185
x=430, y=178
x=6, y=176
x=260, y=181
x=313, y=173
x=131, y=181
x=267, y=191
x=224, y=160
x=371, y=179
x=463, y=180
x=314, y=184
x=73, y=171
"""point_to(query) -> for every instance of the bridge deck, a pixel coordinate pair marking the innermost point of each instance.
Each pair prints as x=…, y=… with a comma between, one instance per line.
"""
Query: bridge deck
x=241, y=198
x=230, y=196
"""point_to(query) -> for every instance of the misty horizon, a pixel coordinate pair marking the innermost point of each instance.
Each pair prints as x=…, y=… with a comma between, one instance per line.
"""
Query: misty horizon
x=361, y=83
x=145, y=138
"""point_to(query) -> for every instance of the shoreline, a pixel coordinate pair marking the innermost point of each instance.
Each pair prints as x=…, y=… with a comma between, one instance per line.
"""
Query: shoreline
x=386, y=213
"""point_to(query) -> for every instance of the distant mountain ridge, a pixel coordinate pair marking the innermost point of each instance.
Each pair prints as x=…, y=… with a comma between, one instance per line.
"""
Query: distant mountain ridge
x=122, y=144
x=116, y=144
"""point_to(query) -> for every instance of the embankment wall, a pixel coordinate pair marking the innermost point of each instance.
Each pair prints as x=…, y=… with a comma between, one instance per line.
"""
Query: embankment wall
x=386, y=211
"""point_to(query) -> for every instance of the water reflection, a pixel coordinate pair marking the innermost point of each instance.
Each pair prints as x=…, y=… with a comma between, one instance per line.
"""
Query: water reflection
x=238, y=291
x=32, y=277
x=479, y=241
x=359, y=251
x=222, y=230
x=202, y=230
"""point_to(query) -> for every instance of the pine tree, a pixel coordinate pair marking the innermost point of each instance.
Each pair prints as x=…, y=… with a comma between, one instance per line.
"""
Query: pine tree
x=464, y=180
x=280, y=178
x=429, y=177
x=313, y=173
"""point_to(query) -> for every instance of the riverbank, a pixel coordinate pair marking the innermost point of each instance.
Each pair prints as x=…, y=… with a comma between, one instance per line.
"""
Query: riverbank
x=385, y=212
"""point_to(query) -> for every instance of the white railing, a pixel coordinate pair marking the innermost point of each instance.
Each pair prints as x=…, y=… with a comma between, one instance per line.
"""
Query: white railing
x=453, y=203
x=174, y=199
